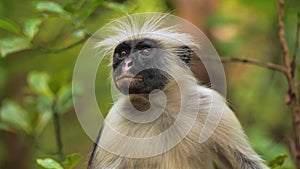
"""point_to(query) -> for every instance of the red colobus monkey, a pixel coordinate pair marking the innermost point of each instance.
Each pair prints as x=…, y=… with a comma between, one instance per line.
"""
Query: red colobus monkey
x=164, y=119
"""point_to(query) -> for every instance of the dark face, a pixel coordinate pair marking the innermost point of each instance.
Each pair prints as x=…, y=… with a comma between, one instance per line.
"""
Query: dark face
x=133, y=67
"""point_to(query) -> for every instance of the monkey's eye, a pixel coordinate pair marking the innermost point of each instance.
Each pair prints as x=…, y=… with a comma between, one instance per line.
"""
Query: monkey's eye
x=146, y=51
x=123, y=53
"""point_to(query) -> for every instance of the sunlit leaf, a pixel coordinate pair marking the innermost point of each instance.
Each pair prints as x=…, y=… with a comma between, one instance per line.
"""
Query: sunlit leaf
x=38, y=82
x=13, y=44
x=64, y=99
x=9, y=26
x=48, y=6
x=42, y=121
x=79, y=33
x=44, y=107
x=72, y=160
x=277, y=161
x=49, y=163
x=31, y=27
x=15, y=115
x=115, y=6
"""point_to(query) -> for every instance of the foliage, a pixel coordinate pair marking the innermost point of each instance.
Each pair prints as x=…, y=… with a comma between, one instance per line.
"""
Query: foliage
x=13, y=115
x=277, y=161
x=24, y=38
x=70, y=162
x=44, y=103
x=49, y=163
x=76, y=14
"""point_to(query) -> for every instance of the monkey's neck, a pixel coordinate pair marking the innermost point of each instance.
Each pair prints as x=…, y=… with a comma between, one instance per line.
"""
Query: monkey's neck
x=173, y=94
x=158, y=111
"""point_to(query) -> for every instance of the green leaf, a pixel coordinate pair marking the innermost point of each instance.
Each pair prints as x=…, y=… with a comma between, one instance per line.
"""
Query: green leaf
x=72, y=160
x=13, y=44
x=115, y=6
x=47, y=6
x=31, y=27
x=49, y=163
x=64, y=99
x=86, y=13
x=44, y=107
x=9, y=26
x=277, y=161
x=15, y=115
x=38, y=82
x=42, y=121
x=72, y=7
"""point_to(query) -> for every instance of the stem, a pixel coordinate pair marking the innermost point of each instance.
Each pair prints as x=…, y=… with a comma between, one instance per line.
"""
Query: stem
x=47, y=50
x=57, y=132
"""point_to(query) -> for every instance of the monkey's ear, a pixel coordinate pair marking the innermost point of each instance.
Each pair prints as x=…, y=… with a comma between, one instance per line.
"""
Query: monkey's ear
x=185, y=53
x=190, y=58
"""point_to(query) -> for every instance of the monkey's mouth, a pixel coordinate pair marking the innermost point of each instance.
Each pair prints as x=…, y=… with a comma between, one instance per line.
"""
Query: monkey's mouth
x=130, y=79
x=142, y=83
x=126, y=82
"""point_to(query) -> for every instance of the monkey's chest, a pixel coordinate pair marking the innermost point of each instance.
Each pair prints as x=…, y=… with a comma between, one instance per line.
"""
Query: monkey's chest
x=162, y=144
x=185, y=155
x=176, y=158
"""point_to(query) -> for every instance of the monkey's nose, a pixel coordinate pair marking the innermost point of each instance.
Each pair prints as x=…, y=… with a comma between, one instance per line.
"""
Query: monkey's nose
x=128, y=64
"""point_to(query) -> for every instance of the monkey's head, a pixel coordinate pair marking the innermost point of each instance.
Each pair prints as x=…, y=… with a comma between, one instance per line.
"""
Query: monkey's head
x=138, y=65
x=146, y=55
x=133, y=72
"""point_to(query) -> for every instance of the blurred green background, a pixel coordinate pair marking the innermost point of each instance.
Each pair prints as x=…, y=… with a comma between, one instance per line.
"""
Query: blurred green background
x=40, y=41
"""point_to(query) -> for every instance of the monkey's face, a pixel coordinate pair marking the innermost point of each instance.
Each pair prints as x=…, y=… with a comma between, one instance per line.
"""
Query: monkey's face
x=134, y=67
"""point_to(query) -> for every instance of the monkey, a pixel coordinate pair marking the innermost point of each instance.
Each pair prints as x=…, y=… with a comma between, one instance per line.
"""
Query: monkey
x=156, y=121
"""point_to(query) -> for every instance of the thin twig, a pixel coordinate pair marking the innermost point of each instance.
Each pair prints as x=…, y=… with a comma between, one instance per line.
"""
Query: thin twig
x=268, y=65
x=47, y=50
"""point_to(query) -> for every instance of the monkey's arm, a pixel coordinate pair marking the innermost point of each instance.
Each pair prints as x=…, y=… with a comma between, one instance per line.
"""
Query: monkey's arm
x=231, y=145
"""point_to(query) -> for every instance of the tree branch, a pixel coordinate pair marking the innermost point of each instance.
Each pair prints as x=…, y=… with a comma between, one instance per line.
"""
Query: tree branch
x=292, y=93
x=268, y=65
x=288, y=69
